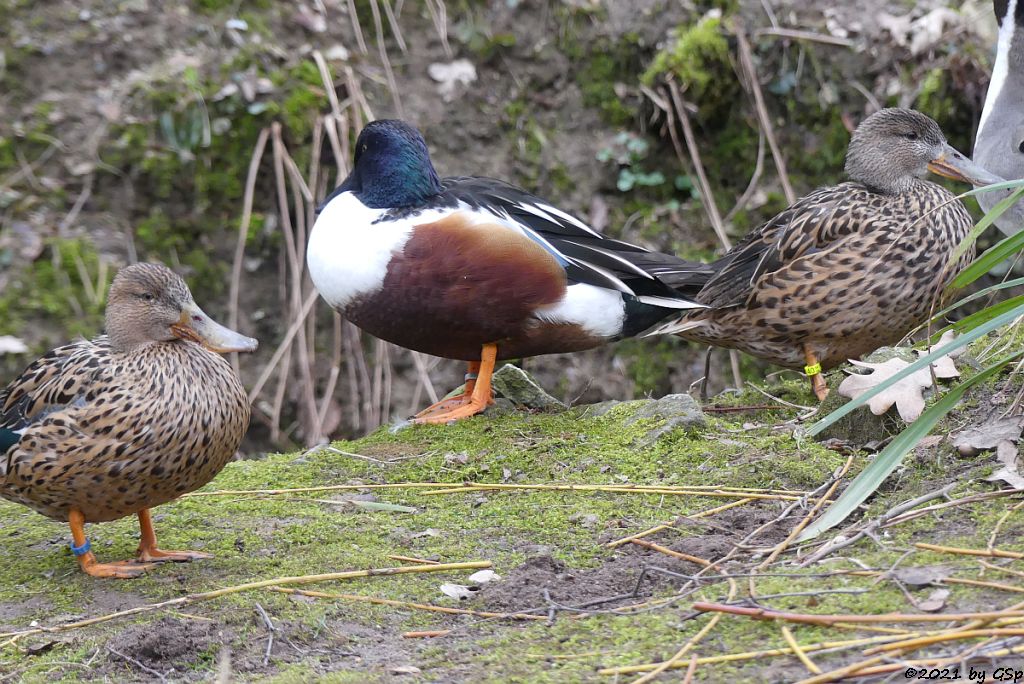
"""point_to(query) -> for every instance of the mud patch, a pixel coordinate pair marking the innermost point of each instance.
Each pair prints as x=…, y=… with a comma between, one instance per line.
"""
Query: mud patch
x=163, y=645
x=546, y=582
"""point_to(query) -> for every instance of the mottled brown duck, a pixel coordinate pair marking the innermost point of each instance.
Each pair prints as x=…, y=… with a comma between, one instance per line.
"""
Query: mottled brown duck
x=848, y=268
x=100, y=429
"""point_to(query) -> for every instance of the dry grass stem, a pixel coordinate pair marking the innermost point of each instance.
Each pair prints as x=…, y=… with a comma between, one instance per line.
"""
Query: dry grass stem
x=405, y=604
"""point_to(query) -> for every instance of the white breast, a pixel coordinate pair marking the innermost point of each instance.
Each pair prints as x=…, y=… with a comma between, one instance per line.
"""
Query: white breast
x=348, y=254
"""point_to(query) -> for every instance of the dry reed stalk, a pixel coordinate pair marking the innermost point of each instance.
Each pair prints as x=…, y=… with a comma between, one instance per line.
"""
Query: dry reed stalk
x=750, y=73
x=382, y=49
x=994, y=553
x=243, y=233
x=249, y=586
x=356, y=27
x=795, y=532
x=406, y=604
x=666, y=526
x=799, y=652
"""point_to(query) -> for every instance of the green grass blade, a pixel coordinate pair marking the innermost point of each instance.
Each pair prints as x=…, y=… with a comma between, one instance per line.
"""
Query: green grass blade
x=1005, y=185
x=991, y=258
x=977, y=267
x=978, y=317
x=971, y=297
x=922, y=362
x=865, y=484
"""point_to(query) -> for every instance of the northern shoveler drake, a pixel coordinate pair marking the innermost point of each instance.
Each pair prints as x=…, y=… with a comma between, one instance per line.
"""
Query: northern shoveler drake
x=848, y=268
x=999, y=146
x=97, y=430
x=476, y=269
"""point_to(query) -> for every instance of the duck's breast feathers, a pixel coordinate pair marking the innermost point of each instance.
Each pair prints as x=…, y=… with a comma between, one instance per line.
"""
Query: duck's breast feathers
x=457, y=278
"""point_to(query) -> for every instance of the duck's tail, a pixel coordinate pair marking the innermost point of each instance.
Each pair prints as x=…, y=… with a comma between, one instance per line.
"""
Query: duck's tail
x=677, y=326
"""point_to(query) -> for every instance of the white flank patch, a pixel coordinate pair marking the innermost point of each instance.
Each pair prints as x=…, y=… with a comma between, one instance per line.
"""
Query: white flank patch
x=668, y=303
x=348, y=253
x=595, y=309
x=1002, y=66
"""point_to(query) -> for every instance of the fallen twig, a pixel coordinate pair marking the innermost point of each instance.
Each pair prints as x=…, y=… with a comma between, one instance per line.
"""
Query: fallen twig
x=799, y=652
x=405, y=604
x=995, y=553
x=827, y=620
x=666, y=526
x=12, y=637
x=795, y=532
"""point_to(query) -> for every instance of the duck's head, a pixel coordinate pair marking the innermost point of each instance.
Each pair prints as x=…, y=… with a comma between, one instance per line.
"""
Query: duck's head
x=392, y=167
x=892, y=147
x=151, y=303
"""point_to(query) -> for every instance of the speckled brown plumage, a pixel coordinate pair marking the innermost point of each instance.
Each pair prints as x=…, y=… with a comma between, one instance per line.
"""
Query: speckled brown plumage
x=112, y=433
x=112, y=426
x=848, y=268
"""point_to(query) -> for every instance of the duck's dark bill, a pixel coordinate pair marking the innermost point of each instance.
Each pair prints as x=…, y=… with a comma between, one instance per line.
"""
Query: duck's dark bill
x=953, y=164
x=196, y=326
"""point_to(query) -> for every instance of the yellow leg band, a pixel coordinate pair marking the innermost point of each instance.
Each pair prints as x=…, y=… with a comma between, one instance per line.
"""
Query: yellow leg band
x=813, y=370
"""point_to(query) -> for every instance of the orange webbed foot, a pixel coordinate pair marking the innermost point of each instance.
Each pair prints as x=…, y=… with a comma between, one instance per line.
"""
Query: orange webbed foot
x=148, y=551
x=116, y=570
x=476, y=397
x=155, y=555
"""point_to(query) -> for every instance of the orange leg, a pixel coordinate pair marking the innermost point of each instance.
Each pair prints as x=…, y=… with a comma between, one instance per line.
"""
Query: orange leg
x=149, y=553
x=88, y=562
x=476, y=397
x=813, y=370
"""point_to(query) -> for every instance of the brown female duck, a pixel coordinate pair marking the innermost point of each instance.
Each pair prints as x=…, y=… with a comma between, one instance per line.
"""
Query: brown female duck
x=849, y=268
x=97, y=430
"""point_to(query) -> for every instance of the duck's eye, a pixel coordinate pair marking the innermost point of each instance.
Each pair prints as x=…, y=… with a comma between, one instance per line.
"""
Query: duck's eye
x=147, y=297
x=912, y=135
x=365, y=146
x=1020, y=147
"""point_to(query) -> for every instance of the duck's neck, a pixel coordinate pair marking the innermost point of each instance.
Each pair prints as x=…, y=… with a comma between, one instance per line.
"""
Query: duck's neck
x=399, y=183
x=1008, y=71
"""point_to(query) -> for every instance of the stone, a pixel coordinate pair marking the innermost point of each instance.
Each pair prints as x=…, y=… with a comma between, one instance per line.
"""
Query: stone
x=516, y=385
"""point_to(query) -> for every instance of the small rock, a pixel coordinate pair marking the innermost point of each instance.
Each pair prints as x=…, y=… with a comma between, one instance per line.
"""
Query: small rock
x=515, y=384
x=670, y=406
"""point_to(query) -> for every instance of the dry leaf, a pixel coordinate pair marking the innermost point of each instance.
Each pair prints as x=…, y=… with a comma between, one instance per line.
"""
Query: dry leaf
x=919, y=34
x=1006, y=454
x=935, y=602
x=405, y=669
x=922, y=575
x=451, y=76
x=458, y=591
x=484, y=576
x=974, y=440
x=907, y=394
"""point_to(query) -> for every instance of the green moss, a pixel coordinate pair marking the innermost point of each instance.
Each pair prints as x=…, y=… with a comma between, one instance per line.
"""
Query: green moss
x=256, y=537
x=601, y=70
x=695, y=59
x=53, y=285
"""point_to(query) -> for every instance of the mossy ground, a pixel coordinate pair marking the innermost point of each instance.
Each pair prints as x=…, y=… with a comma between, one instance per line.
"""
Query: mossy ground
x=258, y=537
